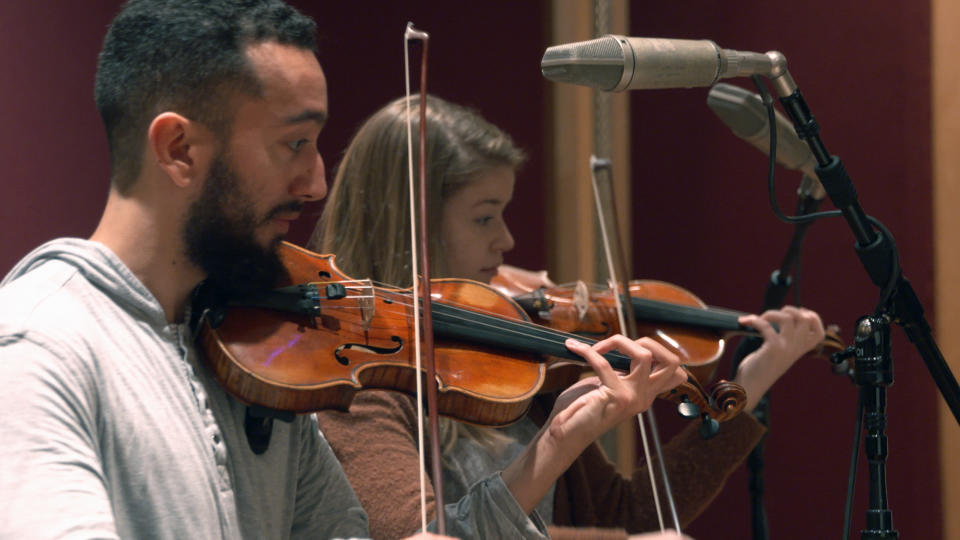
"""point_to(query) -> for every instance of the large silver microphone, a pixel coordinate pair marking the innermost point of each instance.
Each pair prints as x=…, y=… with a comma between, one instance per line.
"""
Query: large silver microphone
x=744, y=113
x=615, y=63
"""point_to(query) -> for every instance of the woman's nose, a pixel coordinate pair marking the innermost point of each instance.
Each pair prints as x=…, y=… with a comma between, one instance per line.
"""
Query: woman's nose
x=504, y=241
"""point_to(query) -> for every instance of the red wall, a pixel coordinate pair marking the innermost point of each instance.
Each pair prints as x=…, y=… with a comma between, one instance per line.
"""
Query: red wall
x=54, y=154
x=55, y=157
x=700, y=198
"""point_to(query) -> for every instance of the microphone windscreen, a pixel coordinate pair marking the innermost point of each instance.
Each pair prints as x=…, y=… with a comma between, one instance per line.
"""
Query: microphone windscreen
x=742, y=111
x=598, y=63
x=746, y=115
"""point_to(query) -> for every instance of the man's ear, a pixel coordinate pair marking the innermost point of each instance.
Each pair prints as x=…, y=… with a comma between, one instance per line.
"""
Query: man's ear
x=180, y=146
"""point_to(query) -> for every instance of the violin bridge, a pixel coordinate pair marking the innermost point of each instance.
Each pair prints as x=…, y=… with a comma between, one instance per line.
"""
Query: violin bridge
x=366, y=302
x=581, y=299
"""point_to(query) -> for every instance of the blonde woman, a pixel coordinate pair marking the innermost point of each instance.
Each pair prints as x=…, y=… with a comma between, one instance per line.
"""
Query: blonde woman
x=471, y=174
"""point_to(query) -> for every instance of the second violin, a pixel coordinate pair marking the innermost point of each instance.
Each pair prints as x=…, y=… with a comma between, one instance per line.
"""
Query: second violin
x=666, y=312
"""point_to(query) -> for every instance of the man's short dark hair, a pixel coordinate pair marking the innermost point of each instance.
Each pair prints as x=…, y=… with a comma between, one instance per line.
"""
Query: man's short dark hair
x=186, y=56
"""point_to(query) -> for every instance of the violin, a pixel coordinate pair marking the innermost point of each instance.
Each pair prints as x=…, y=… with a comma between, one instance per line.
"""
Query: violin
x=665, y=312
x=321, y=336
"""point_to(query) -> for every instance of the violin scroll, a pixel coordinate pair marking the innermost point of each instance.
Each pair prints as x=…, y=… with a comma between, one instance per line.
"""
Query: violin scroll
x=832, y=343
x=720, y=403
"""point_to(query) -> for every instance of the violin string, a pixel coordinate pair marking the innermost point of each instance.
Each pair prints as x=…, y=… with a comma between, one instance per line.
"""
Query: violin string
x=709, y=318
x=685, y=318
x=471, y=317
x=535, y=331
x=467, y=314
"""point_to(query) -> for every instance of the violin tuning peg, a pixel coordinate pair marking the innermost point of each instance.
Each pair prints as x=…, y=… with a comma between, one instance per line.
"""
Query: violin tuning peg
x=709, y=428
x=840, y=356
x=688, y=409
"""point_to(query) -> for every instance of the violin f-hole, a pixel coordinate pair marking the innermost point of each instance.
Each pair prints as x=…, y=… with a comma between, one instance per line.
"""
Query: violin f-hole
x=367, y=348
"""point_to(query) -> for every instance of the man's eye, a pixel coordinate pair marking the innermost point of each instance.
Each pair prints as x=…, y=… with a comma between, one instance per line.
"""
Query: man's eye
x=298, y=144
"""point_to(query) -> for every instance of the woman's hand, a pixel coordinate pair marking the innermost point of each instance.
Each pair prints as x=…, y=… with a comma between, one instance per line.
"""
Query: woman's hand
x=589, y=408
x=799, y=331
x=592, y=406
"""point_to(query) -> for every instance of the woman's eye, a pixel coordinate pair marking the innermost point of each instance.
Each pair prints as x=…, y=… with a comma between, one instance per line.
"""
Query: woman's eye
x=483, y=220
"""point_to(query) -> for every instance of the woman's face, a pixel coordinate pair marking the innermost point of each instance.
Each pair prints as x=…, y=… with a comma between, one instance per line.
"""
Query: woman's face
x=474, y=235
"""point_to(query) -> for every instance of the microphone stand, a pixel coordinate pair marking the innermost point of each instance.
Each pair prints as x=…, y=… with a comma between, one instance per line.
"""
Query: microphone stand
x=777, y=289
x=898, y=303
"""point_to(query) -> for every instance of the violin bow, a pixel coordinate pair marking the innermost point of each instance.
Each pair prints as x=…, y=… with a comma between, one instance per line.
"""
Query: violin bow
x=628, y=325
x=420, y=266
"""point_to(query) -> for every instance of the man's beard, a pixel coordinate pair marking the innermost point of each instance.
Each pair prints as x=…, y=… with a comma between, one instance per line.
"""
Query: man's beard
x=220, y=237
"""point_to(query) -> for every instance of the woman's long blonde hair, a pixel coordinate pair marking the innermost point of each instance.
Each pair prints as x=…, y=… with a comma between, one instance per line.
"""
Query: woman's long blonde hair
x=365, y=222
x=366, y=218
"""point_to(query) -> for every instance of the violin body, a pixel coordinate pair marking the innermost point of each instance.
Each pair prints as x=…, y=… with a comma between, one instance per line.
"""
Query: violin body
x=668, y=313
x=301, y=363
x=342, y=335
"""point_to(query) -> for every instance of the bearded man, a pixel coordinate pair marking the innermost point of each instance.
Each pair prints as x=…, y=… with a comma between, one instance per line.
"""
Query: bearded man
x=110, y=425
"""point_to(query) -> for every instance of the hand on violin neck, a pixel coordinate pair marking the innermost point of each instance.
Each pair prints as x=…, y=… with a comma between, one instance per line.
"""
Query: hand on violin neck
x=590, y=408
x=594, y=405
x=800, y=330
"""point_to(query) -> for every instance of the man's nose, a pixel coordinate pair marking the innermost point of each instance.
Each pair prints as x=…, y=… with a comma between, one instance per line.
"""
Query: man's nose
x=312, y=184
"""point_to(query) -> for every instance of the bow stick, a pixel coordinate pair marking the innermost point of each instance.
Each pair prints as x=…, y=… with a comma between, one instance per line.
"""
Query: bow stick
x=420, y=266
